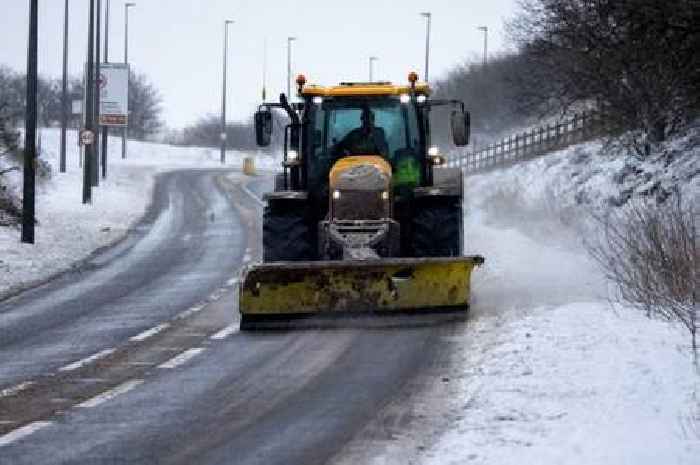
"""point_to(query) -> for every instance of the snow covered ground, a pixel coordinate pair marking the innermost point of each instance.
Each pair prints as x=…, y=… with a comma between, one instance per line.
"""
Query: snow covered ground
x=550, y=373
x=546, y=370
x=69, y=231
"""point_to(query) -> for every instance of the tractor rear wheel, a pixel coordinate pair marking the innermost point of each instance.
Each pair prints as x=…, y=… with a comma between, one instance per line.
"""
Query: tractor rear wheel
x=437, y=228
x=286, y=234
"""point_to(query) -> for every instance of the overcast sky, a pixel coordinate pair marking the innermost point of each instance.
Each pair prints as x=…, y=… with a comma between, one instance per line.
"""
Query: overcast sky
x=178, y=44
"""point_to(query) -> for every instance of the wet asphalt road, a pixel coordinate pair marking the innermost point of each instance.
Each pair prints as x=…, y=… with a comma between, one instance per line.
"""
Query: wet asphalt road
x=136, y=357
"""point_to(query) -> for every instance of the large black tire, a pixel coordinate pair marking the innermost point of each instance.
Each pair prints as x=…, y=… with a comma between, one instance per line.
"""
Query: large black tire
x=287, y=234
x=437, y=228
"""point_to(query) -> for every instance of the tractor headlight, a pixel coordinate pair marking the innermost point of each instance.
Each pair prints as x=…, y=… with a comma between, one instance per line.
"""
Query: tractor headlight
x=318, y=100
x=404, y=98
x=292, y=155
x=385, y=195
x=434, y=156
x=336, y=194
x=421, y=98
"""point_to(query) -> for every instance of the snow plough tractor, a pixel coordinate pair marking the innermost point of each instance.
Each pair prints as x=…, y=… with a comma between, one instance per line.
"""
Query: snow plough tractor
x=364, y=218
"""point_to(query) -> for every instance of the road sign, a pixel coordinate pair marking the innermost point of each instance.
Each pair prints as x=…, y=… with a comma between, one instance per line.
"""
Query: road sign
x=87, y=137
x=114, y=94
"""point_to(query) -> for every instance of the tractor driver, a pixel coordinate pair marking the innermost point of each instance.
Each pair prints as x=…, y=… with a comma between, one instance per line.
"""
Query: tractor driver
x=365, y=140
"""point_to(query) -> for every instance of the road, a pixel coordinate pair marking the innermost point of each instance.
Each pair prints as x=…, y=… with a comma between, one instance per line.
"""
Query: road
x=135, y=356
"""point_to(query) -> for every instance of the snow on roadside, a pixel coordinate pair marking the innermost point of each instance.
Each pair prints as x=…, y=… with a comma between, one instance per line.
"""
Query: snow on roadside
x=546, y=371
x=573, y=384
x=551, y=373
x=69, y=231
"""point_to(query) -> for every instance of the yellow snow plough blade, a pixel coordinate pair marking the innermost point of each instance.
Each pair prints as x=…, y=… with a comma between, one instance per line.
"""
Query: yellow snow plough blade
x=284, y=291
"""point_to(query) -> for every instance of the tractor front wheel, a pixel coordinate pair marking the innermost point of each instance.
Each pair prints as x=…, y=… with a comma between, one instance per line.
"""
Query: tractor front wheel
x=286, y=234
x=437, y=228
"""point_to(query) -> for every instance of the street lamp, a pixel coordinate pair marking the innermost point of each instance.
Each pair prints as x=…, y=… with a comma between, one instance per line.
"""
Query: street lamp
x=89, y=112
x=64, y=92
x=371, y=68
x=427, y=17
x=105, y=129
x=29, y=177
x=95, y=174
x=485, y=30
x=126, y=61
x=223, y=95
x=289, y=66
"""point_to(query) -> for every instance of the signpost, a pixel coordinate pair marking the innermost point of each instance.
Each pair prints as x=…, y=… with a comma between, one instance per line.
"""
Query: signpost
x=114, y=94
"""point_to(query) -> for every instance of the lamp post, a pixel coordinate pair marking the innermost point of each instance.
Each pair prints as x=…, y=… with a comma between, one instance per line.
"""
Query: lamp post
x=89, y=107
x=223, y=94
x=126, y=61
x=98, y=91
x=29, y=177
x=64, y=92
x=105, y=131
x=371, y=68
x=264, y=70
x=289, y=66
x=485, y=30
x=427, y=17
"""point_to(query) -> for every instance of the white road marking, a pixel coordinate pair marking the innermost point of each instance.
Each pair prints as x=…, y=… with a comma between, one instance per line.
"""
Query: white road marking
x=217, y=295
x=111, y=394
x=22, y=432
x=225, y=332
x=11, y=391
x=85, y=361
x=189, y=312
x=181, y=358
x=149, y=332
x=253, y=196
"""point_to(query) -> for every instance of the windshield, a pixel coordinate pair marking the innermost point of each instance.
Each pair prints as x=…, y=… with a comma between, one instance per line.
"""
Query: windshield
x=368, y=126
x=383, y=127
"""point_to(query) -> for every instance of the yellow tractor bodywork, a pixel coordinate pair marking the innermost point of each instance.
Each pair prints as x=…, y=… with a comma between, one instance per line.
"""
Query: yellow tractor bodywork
x=363, y=89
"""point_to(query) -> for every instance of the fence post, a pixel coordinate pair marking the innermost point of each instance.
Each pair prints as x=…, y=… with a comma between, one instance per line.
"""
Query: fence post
x=527, y=143
x=560, y=135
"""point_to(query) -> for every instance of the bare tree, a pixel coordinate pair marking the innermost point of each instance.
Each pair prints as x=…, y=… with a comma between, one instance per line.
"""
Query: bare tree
x=635, y=60
x=240, y=135
x=144, y=107
x=492, y=93
x=10, y=212
x=650, y=251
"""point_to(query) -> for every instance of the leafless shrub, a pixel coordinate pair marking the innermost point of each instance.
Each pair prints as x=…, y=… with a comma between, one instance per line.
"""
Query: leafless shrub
x=650, y=251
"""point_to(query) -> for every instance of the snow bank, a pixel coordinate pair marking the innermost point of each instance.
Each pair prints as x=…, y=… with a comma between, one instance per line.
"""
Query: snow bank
x=546, y=371
x=69, y=231
x=572, y=384
x=549, y=372
x=586, y=177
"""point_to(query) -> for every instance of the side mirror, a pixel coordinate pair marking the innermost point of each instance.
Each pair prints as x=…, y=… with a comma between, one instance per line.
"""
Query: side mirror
x=263, y=127
x=461, y=127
